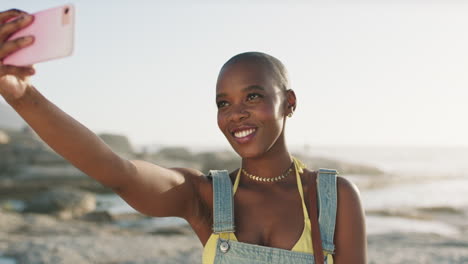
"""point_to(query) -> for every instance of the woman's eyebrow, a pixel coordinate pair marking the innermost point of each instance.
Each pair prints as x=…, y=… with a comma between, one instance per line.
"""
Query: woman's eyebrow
x=246, y=89
x=220, y=95
x=253, y=87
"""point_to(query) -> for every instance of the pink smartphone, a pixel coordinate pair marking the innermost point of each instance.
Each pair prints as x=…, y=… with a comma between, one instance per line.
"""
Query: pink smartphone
x=53, y=31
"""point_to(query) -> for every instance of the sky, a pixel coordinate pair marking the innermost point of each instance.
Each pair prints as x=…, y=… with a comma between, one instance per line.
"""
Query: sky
x=365, y=72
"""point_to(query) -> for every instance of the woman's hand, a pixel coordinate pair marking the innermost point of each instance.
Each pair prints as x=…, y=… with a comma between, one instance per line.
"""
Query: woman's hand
x=13, y=79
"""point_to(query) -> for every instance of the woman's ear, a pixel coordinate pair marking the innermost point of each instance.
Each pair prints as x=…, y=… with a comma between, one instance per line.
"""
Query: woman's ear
x=290, y=102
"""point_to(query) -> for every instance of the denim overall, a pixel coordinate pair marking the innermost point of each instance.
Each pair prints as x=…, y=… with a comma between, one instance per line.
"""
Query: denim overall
x=234, y=252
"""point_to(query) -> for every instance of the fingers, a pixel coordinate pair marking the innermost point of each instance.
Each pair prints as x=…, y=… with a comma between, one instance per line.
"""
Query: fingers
x=14, y=45
x=17, y=71
x=7, y=29
x=9, y=14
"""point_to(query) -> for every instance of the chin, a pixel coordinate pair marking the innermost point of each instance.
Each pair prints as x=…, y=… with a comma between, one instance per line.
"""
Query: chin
x=248, y=152
x=248, y=155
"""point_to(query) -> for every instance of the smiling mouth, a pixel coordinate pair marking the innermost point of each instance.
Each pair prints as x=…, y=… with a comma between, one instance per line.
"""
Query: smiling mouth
x=244, y=133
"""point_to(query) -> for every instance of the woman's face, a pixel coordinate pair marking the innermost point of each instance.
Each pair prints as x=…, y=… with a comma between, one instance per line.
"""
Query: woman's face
x=251, y=108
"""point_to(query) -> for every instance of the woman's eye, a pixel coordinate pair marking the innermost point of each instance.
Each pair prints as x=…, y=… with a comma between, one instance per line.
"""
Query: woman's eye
x=221, y=104
x=253, y=96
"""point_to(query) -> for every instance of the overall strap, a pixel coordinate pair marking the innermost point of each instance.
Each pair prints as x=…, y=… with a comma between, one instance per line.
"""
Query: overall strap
x=316, y=240
x=327, y=194
x=223, y=206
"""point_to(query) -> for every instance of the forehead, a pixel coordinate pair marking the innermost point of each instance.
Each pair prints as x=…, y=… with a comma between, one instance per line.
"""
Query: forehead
x=243, y=74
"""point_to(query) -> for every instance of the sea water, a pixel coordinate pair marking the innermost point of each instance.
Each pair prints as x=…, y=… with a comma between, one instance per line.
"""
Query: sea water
x=433, y=179
x=5, y=260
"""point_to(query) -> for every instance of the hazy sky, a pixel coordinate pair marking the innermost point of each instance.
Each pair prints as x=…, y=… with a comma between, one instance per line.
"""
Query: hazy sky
x=365, y=72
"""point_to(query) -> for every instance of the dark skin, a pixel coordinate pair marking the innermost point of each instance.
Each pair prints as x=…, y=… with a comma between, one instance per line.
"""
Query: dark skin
x=247, y=98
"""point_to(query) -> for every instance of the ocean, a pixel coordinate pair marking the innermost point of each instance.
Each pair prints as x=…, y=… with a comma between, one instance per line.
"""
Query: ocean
x=423, y=189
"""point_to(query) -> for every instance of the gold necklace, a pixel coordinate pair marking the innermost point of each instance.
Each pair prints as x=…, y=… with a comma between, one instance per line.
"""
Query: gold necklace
x=264, y=179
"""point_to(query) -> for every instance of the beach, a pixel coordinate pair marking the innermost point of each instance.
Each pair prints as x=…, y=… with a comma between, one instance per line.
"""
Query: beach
x=34, y=238
x=412, y=216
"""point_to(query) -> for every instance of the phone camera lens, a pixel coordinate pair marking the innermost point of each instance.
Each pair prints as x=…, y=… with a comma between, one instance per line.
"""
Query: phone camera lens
x=67, y=10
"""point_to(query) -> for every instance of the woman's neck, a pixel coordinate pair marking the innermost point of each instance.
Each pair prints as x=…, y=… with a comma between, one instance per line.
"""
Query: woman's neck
x=271, y=164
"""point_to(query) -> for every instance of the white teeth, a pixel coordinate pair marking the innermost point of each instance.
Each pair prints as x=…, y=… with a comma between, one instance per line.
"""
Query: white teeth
x=244, y=133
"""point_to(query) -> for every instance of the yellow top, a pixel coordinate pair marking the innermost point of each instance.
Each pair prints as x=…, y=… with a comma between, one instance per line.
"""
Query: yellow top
x=304, y=244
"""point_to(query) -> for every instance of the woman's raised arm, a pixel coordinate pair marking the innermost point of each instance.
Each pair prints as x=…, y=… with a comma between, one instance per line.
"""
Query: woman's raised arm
x=149, y=188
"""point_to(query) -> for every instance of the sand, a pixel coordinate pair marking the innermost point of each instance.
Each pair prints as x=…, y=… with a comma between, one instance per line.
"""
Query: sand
x=35, y=238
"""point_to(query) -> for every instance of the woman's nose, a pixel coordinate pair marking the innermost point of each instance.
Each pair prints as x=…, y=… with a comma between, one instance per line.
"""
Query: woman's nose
x=239, y=113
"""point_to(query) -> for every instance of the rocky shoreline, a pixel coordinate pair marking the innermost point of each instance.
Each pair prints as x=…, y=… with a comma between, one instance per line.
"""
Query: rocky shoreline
x=34, y=238
x=31, y=238
x=60, y=225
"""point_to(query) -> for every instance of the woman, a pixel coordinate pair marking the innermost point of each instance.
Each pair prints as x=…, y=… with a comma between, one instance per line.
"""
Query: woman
x=271, y=188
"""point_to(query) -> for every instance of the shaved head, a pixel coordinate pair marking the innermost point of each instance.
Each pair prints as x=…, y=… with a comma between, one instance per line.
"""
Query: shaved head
x=279, y=72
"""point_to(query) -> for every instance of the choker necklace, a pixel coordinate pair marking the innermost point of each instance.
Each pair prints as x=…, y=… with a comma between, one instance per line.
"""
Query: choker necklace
x=264, y=179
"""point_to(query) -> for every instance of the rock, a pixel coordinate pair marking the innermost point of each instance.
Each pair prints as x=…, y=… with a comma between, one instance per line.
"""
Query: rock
x=173, y=231
x=34, y=253
x=64, y=202
x=21, y=149
x=119, y=144
x=10, y=221
x=98, y=216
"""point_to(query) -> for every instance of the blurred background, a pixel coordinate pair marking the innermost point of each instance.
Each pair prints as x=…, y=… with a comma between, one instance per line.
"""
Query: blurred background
x=381, y=86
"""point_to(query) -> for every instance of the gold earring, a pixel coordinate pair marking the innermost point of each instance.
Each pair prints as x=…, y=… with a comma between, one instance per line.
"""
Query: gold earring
x=292, y=111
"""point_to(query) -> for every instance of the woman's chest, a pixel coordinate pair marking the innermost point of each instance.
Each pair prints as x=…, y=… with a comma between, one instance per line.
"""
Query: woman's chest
x=268, y=219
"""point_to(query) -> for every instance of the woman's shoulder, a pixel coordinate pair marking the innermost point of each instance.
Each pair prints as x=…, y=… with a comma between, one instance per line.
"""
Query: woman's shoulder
x=343, y=185
x=347, y=190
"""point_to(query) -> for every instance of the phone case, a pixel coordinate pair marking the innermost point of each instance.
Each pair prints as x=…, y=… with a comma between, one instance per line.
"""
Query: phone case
x=53, y=31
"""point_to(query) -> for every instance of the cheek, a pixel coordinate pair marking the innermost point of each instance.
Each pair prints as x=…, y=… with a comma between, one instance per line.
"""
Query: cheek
x=273, y=117
x=271, y=111
x=275, y=107
x=220, y=121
